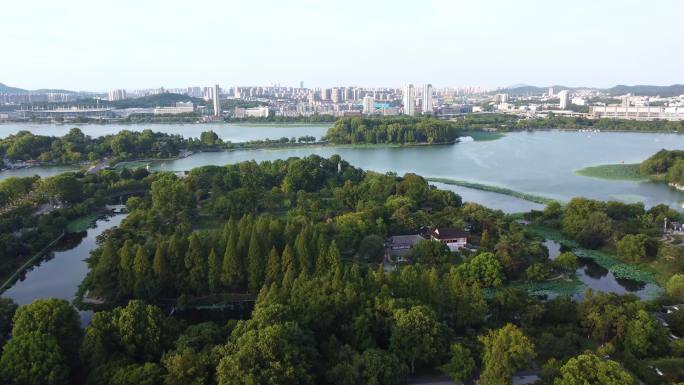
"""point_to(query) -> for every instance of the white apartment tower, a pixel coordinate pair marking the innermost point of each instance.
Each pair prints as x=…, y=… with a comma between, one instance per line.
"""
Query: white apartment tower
x=564, y=97
x=217, y=100
x=368, y=105
x=409, y=100
x=427, y=98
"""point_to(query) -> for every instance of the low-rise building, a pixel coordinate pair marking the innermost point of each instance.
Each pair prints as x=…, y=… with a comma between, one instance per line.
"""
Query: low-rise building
x=454, y=238
x=402, y=245
x=180, y=108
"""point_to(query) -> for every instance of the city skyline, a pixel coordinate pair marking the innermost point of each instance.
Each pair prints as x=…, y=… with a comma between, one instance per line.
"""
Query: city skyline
x=491, y=43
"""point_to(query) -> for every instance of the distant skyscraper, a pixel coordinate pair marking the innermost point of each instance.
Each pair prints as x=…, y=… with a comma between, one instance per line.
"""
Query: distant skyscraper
x=409, y=100
x=427, y=98
x=217, y=100
x=368, y=105
x=301, y=84
x=550, y=91
x=325, y=94
x=564, y=97
x=116, y=95
x=336, y=95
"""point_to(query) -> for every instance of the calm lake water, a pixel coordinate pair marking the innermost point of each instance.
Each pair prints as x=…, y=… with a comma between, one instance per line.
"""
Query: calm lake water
x=60, y=273
x=541, y=163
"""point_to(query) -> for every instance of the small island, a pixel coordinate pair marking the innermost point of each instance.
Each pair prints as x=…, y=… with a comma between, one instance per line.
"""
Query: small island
x=664, y=166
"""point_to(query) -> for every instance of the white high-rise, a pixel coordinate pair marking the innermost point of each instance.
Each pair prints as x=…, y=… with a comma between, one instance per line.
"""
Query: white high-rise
x=564, y=97
x=409, y=100
x=368, y=105
x=217, y=100
x=427, y=99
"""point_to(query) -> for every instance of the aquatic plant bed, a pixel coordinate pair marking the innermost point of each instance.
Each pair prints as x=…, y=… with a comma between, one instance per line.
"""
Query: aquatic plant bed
x=614, y=172
x=495, y=189
x=603, y=259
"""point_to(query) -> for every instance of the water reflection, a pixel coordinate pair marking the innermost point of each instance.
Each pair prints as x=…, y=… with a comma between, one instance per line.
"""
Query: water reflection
x=597, y=277
x=63, y=269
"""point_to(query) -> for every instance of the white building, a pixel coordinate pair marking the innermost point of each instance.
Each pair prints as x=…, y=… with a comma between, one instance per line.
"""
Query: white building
x=217, y=100
x=180, y=108
x=564, y=97
x=550, y=92
x=427, y=99
x=638, y=112
x=257, y=112
x=368, y=105
x=116, y=95
x=409, y=100
x=578, y=101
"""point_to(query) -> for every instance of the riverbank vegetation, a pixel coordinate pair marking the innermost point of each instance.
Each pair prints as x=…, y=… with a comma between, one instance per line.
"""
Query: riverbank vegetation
x=35, y=211
x=396, y=130
x=495, y=189
x=300, y=241
x=663, y=166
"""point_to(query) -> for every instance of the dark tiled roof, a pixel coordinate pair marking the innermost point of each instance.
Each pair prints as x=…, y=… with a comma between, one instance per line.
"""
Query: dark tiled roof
x=449, y=233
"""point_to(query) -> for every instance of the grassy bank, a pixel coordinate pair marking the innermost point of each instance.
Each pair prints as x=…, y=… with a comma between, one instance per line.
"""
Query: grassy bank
x=83, y=223
x=495, y=189
x=613, y=172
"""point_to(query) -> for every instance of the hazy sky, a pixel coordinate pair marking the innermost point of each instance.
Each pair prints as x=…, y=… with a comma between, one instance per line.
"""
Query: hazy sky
x=104, y=44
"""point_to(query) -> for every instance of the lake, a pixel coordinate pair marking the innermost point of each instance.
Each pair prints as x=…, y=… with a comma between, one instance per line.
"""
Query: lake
x=536, y=162
x=541, y=163
x=63, y=269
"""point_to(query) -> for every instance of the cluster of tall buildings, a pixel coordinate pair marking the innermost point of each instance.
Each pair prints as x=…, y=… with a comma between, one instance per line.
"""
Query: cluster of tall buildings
x=409, y=100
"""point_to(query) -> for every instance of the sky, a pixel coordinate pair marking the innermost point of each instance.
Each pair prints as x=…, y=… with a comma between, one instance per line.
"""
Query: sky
x=106, y=44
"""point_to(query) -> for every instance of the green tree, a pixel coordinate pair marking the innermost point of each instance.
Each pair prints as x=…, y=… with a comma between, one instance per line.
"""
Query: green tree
x=272, y=355
x=214, y=272
x=589, y=369
x=484, y=269
x=675, y=287
x=196, y=264
x=416, y=335
x=107, y=266
x=273, y=268
x=430, y=253
x=141, y=273
x=162, y=268
x=231, y=271
x=255, y=263
x=33, y=358
x=632, y=248
x=645, y=336
x=187, y=367
x=566, y=262
x=54, y=317
x=371, y=248
x=506, y=350
x=461, y=363
x=7, y=310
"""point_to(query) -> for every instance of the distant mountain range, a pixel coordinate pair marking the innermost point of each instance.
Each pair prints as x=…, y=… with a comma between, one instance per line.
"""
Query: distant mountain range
x=640, y=90
x=20, y=91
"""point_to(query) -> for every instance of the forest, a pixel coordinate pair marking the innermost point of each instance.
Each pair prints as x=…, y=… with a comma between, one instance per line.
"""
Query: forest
x=301, y=240
x=665, y=165
x=392, y=130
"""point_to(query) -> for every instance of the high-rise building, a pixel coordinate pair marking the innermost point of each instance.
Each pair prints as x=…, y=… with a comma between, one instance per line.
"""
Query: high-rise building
x=427, y=98
x=217, y=100
x=564, y=97
x=368, y=105
x=301, y=84
x=116, y=95
x=336, y=95
x=325, y=94
x=409, y=99
x=550, y=92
